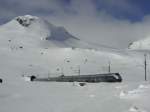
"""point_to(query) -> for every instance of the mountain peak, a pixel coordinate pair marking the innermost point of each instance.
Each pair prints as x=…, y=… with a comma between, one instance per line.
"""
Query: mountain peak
x=39, y=29
x=26, y=20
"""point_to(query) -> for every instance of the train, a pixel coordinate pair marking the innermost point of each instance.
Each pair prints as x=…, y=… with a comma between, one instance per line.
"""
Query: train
x=92, y=78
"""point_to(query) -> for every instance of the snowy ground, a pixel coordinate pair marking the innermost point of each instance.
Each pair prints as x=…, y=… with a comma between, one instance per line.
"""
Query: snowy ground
x=68, y=97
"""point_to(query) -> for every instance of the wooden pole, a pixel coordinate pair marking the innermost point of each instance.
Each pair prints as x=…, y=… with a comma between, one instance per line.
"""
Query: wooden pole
x=79, y=69
x=109, y=67
x=145, y=67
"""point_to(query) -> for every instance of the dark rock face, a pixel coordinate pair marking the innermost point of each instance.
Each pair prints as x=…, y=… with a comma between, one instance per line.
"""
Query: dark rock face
x=25, y=20
x=1, y=80
x=21, y=47
x=32, y=78
x=130, y=44
x=82, y=84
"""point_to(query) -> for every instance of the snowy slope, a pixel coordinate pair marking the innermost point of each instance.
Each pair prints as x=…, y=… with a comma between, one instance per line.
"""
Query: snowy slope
x=31, y=46
x=37, y=29
x=44, y=33
x=143, y=44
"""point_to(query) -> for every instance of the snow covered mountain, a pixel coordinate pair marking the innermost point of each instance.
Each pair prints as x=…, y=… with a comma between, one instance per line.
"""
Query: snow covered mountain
x=143, y=44
x=38, y=29
x=32, y=46
x=44, y=33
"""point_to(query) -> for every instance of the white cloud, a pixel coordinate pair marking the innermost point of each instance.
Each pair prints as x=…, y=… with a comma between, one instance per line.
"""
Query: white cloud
x=83, y=20
x=122, y=5
x=105, y=29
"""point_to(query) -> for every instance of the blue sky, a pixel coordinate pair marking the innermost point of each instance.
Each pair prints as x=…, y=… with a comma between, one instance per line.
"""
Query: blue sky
x=111, y=22
x=132, y=10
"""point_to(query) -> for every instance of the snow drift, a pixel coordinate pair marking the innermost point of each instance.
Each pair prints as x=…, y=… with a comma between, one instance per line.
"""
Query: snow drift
x=143, y=44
